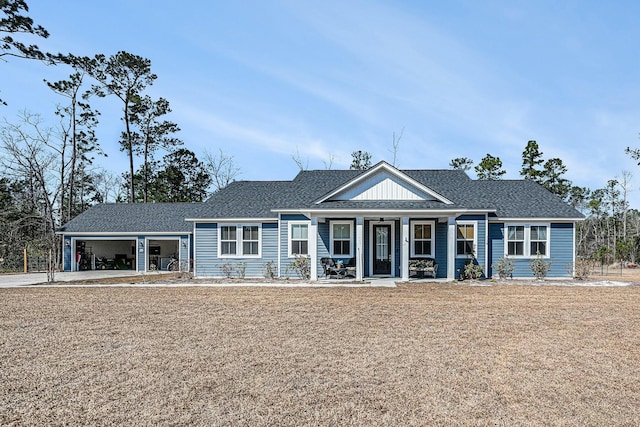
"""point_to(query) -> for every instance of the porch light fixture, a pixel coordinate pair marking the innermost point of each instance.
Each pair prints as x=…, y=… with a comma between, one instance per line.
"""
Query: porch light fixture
x=67, y=243
x=184, y=244
x=141, y=244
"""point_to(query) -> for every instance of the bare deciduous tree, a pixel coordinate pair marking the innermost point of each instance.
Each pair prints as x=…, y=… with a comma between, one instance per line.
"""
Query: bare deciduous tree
x=222, y=169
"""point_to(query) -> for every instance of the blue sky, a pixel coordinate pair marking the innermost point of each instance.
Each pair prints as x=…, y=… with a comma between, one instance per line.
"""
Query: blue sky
x=264, y=80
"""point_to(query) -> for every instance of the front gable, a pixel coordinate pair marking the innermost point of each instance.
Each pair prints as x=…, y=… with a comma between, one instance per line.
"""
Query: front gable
x=383, y=182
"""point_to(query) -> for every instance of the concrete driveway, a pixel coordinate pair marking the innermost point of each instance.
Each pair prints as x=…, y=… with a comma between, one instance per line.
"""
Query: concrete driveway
x=13, y=280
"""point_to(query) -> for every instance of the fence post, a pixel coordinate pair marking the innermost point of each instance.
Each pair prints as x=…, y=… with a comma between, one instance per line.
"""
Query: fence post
x=25, y=260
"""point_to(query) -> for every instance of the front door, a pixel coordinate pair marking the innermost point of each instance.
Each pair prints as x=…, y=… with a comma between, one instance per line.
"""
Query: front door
x=382, y=249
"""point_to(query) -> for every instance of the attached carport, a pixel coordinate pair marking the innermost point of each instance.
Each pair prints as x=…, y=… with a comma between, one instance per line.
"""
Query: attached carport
x=134, y=236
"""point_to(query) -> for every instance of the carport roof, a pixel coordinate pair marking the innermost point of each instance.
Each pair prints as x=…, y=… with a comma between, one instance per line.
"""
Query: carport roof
x=141, y=218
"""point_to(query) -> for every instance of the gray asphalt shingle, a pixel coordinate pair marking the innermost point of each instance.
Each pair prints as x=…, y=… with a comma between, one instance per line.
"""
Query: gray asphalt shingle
x=258, y=199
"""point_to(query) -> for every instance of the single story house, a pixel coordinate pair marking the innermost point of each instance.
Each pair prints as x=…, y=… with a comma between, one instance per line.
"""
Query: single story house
x=377, y=221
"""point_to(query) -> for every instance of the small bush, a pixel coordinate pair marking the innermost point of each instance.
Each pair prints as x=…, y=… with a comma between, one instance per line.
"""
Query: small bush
x=270, y=270
x=580, y=269
x=505, y=268
x=472, y=270
x=540, y=267
x=241, y=268
x=227, y=270
x=301, y=266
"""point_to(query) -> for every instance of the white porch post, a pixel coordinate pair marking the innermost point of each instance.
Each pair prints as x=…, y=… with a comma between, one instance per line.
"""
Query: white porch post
x=359, y=248
x=404, y=252
x=313, y=249
x=451, y=248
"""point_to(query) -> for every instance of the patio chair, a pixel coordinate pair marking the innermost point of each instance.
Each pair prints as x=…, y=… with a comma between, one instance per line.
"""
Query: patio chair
x=330, y=268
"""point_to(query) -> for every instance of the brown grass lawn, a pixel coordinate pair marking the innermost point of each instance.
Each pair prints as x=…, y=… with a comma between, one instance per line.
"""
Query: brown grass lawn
x=428, y=354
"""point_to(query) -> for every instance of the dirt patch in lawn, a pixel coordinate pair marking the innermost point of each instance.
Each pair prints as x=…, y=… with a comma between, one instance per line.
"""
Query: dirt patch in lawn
x=418, y=354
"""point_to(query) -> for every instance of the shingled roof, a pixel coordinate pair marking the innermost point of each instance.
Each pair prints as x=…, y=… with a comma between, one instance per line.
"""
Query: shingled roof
x=503, y=198
x=133, y=218
x=262, y=200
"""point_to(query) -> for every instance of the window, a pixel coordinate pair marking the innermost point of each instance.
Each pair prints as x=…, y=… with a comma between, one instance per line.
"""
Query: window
x=422, y=239
x=465, y=239
x=228, y=240
x=538, y=240
x=527, y=240
x=515, y=240
x=298, y=239
x=341, y=239
x=250, y=240
x=239, y=241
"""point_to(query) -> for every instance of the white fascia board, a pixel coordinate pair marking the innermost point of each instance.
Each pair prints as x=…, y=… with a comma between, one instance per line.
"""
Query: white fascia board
x=234, y=220
x=386, y=166
x=536, y=219
x=128, y=233
x=390, y=212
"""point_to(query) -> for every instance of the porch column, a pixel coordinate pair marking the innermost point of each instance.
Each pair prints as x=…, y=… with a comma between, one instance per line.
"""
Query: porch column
x=451, y=248
x=404, y=252
x=359, y=248
x=313, y=249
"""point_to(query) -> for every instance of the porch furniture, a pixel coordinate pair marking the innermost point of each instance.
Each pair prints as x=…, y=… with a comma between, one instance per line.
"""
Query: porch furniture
x=330, y=268
x=423, y=266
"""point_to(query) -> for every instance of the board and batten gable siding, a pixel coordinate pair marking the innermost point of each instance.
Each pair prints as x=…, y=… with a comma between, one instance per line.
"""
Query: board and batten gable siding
x=560, y=250
x=208, y=264
x=383, y=186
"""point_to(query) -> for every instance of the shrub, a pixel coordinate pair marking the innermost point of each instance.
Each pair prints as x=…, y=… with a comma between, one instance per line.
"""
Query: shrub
x=580, y=269
x=270, y=270
x=472, y=270
x=539, y=267
x=227, y=270
x=504, y=267
x=301, y=266
x=241, y=268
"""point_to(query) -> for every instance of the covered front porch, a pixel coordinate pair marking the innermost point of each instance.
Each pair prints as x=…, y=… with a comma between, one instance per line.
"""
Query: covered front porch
x=379, y=245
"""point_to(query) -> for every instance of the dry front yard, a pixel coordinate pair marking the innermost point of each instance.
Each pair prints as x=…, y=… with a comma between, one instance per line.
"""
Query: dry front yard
x=421, y=354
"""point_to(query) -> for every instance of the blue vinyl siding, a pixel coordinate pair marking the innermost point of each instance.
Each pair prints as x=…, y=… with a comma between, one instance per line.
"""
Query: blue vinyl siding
x=561, y=250
x=367, y=247
x=481, y=244
x=208, y=264
x=284, y=242
x=323, y=244
x=66, y=259
x=441, y=248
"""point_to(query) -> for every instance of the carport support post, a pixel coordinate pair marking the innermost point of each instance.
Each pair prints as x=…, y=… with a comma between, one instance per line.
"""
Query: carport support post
x=313, y=249
x=359, y=246
x=404, y=253
x=451, y=248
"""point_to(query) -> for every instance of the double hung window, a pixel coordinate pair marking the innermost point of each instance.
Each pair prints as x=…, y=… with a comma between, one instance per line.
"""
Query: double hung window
x=527, y=240
x=465, y=239
x=298, y=239
x=240, y=241
x=422, y=239
x=342, y=239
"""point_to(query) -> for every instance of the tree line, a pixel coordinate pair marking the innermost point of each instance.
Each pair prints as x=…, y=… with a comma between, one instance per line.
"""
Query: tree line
x=48, y=176
x=47, y=173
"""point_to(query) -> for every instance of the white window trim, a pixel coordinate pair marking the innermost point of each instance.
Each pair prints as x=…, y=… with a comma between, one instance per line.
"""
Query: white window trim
x=527, y=239
x=239, y=247
x=433, y=239
x=351, y=239
x=290, y=235
x=475, y=238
